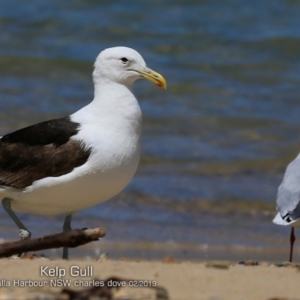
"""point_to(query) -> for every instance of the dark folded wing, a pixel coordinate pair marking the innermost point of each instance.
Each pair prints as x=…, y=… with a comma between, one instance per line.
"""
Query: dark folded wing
x=38, y=151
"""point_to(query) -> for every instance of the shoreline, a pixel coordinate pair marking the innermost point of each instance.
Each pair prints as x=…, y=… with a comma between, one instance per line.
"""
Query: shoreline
x=156, y=251
x=149, y=251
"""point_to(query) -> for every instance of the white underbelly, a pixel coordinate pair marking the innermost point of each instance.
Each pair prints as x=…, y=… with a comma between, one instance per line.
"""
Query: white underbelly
x=71, y=195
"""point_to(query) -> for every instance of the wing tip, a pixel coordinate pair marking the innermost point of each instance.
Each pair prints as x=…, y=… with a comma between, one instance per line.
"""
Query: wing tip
x=278, y=220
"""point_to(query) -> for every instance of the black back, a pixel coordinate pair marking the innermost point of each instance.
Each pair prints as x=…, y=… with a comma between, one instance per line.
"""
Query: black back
x=41, y=150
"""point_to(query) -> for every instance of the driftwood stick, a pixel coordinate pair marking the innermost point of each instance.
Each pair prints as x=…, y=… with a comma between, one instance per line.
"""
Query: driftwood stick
x=72, y=238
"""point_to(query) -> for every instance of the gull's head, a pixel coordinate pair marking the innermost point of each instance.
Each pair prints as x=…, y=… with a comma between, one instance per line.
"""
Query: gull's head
x=124, y=66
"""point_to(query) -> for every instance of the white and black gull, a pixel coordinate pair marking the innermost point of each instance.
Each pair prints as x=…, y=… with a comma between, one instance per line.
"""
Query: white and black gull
x=64, y=165
x=288, y=200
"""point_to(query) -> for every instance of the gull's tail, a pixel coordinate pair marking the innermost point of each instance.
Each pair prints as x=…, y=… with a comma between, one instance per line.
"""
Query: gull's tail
x=280, y=221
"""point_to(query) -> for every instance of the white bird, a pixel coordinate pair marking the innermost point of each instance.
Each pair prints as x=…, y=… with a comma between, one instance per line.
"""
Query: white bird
x=288, y=200
x=64, y=165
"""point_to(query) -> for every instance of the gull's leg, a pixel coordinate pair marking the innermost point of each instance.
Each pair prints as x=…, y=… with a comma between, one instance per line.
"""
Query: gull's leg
x=292, y=240
x=67, y=227
x=24, y=232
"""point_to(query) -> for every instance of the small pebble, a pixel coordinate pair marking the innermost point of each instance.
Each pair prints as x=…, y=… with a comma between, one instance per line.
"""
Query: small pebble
x=31, y=256
x=218, y=265
x=249, y=263
x=287, y=264
x=169, y=260
x=101, y=258
x=162, y=294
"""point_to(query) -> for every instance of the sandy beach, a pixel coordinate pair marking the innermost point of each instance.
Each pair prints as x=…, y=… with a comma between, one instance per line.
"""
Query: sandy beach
x=215, y=280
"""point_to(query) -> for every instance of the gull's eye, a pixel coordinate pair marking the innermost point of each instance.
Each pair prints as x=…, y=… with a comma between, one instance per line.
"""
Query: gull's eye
x=124, y=59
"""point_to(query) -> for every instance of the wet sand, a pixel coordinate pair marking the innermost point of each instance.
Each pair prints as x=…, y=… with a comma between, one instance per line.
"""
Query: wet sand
x=182, y=280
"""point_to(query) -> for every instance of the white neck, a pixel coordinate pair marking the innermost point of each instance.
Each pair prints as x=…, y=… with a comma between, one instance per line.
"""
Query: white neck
x=113, y=104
